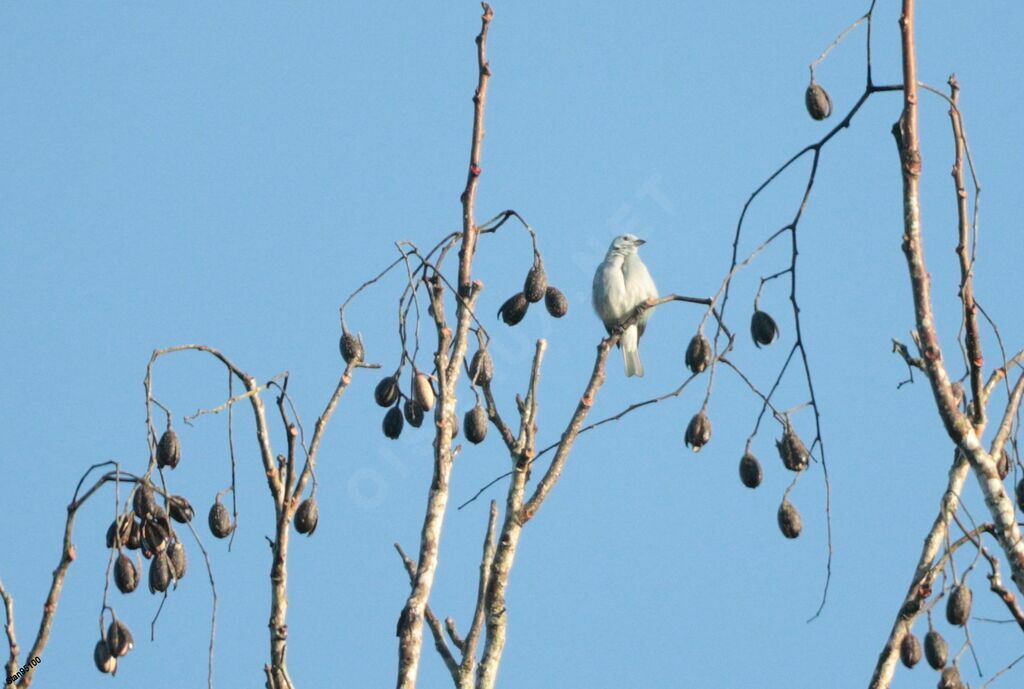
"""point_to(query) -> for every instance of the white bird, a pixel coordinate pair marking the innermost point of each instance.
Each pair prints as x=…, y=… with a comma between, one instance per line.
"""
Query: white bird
x=622, y=283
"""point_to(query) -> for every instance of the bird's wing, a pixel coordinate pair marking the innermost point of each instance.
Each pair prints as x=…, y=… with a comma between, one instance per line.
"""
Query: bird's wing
x=610, y=296
x=639, y=286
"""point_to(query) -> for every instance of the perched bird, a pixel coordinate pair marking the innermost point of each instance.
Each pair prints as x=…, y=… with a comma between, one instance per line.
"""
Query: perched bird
x=622, y=283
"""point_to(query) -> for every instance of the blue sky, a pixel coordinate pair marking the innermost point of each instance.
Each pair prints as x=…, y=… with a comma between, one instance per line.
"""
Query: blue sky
x=228, y=174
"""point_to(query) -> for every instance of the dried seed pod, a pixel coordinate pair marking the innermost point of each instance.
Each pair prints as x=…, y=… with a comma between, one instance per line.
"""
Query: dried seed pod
x=168, y=450
x=790, y=522
x=536, y=283
x=423, y=391
x=698, y=431
x=119, y=639
x=910, y=650
x=1003, y=464
x=481, y=368
x=220, y=520
x=413, y=412
x=763, y=328
x=156, y=535
x=105, y=662
x=178, y=560
x=1020, y=495
x=555, y=302
x=950, y=678
x=476, y=425
x=454, y=421
x=698, y=353
x=936, y=650
x=351, y=348
x=958, y=605
x=144, y=501
x=819, y=105
x=307, y=516
x=135, y=536
x=513, y=310
x=387, y=391
x=126, y=577
x=750, y=471
x=792, y=450
x=181, y=509
x=393, y=423
x=119, y=530
x=159, y=573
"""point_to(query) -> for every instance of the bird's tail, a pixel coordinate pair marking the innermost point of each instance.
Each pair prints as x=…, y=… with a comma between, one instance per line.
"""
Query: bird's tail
x=631, y=352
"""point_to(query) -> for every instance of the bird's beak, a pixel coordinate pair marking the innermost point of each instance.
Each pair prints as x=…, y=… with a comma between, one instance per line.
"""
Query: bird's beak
x=640, y=242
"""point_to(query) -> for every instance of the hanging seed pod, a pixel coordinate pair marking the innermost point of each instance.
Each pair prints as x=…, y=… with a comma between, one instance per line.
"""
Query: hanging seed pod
x=351, y=348
x=393, y=423
x=763, y=328
x=105, y=662
x=180, y=508
x=555, y=302
x=413, y=412
x=454, y=421
x=958, y=605
x=307, y=516
x=119, y=530
x=910, y=650
x=1020, y=495
x=423, y=391
x=220, y=520
x=513, y=310
x=135, y=535
x=698, y=431
x=159, y=573
x=819, y=105
x=792, y=450
x=536, y=283
x=1003, y=464
x=156, y=535
x=178, y=560
x=387, y=391
x=936, y=650
x=168, y=450
x=119, y=639
x=790, y=522
x=481, y=368
x=750, y=471
x=476, y=425
x=144, y=501
x=126, y=577
x=950, y=678
x=698, y=353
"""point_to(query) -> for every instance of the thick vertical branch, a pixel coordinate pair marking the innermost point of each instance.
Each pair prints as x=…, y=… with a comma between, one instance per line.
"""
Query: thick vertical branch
x=467, y=671
x=410, y=623
x=277, y=673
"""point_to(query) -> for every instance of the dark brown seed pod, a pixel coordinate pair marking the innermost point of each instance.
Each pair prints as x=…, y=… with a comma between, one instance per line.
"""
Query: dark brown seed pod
x=1020, y=495
x=1003, y=464
x=387, y=391
x=126, y=577
x=792, y=450
x=958, y=605
x=220, y=520
x=180, y=509
x=454, y=420
x=392, y=424
x=790, y=522
x=135, y=536
x=750, y=471
x=698, y=353
x=763, y=328
x=423, y=391
x=168, y=450
x=156, y=535
x=910, y=650
x=307, y=516
x=351, y=348
x=481, y=368
x=819, y=105
x=698, y=431
x=179, y=561
x=119, y=530
x=936, y=650
x=950, y=678
x=513, y=310
x=159, y=573
x=105, y=662
x=413, y=412
x=144, y=501
x=119, y=639
x=536, y=283
x=555, y=302
x=476, y=425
